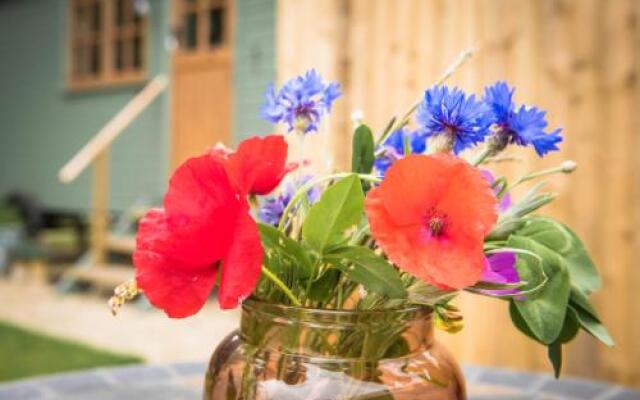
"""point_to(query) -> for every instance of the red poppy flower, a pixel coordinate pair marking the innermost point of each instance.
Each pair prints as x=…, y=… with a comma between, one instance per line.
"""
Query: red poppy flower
x=204, y=228
x=430, y=215
x=259, y=164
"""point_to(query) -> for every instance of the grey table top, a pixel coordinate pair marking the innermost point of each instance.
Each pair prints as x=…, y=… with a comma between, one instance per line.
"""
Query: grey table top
x=184, y=382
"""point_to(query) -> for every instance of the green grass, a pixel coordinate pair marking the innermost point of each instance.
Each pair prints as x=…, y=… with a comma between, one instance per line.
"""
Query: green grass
x=25, y=353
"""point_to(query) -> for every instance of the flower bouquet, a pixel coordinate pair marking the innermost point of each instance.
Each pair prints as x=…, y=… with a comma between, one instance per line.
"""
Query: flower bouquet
x=343, y=276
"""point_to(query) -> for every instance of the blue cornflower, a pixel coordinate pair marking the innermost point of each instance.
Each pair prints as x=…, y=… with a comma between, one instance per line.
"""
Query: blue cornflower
x=460, y=119
x=271, y=209
x=393, y=148
x=522, y=126
x=301, y=102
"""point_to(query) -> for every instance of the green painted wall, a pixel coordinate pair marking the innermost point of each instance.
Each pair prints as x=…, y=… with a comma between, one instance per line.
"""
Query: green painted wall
x=42, y=124
x=255, y=58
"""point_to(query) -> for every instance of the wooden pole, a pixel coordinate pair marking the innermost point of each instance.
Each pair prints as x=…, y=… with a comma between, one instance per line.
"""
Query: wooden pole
x=100, y=207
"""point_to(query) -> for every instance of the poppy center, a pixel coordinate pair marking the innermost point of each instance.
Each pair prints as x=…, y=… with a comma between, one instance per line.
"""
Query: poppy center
x=436, y=222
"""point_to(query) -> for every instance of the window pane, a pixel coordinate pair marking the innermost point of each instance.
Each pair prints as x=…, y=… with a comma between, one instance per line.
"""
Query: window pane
x=97, y=17
x=119, y=56
x=216, y=26
x=119, y=12
x=137, y=52
x=81, y=21
x=81, y=64
x=95, y=59
x=191, y=30
x=76, y=60
x=128, y=54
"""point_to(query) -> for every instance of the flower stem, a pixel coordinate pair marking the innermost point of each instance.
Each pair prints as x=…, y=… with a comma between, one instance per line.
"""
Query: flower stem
x=267, y=272
x=479, y=159
x=545, y=172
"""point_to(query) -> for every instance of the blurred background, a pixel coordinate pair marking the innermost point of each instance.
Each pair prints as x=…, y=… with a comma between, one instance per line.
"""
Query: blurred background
x=101, y=99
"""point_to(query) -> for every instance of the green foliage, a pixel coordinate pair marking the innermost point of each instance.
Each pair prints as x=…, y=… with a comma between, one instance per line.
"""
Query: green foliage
x=25, y=353
x=340, y=207
x=365, y=267
x=554, y=314
x=563, y=241
x=543, y=310
x=274, y=240
x=363, y=150
x=424, y=294
x=322, y=288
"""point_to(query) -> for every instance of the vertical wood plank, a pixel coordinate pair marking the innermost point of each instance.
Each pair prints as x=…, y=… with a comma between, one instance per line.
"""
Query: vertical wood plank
x=578, y=59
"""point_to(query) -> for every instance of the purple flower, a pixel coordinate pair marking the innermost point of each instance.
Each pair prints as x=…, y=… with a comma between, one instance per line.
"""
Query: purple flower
x=501, y=269
x=523, y=126
x=301, y=102
x=462, y=119
x=393, y=148
x=271, y=209
x=505, y=200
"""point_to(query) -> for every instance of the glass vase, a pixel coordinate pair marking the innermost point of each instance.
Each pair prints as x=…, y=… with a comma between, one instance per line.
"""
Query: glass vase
x=288, y=353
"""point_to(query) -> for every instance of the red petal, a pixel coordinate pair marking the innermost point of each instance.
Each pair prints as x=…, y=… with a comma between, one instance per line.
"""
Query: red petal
x=397, y=208
x=412, y=184
x=173, y=272
x=259, y=164
x=242, y=265
x=179, y=292
x=201, y=207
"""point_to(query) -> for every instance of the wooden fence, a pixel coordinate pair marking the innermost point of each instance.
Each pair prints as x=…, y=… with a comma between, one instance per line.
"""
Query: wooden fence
x=579, y=59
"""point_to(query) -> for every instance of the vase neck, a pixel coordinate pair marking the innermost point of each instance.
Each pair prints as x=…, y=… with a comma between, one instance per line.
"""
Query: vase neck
x=346, y=334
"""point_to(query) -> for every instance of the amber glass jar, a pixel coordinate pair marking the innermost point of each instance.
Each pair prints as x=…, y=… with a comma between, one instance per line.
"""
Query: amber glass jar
x=287, y=353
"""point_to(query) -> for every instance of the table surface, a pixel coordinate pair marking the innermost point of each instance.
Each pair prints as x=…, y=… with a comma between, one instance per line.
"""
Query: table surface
x=184, y=382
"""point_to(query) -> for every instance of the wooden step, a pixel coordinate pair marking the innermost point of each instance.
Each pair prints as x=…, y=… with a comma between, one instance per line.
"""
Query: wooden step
x=106, y=276
x=124, y=244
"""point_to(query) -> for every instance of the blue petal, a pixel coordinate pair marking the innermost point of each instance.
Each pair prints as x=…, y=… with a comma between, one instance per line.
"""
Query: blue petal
x=303, y=96
x=464, y=117
x=500, y=98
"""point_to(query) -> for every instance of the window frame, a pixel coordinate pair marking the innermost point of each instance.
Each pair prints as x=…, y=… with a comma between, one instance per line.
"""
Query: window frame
x=108, y=76
x=201, y=9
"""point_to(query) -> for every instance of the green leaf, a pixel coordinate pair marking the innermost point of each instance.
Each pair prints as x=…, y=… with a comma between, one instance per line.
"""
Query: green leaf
x=322, y=288
x=554, y=351
x=566, y=243
x=339, y=208
x=519, y=322
x=276, y=240
x=530, y=202
x=363, y=150
x=422, y=293
x=398, y=348
x=373, y=272
x=570, y=327
x=497, y=286
x=593, y=326
x=543, y=310
x=569, y=331
x=579, y=300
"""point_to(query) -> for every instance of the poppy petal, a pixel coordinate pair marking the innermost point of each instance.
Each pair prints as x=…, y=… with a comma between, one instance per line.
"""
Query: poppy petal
x=430, y=215
x=259, y=164
x=201, y=207
x=420, y=179
x=179, y=292
x=242, y=265
x=167, y=271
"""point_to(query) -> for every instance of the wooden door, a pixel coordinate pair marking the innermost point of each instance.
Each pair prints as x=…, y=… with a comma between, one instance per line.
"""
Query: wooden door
x=201, y=76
